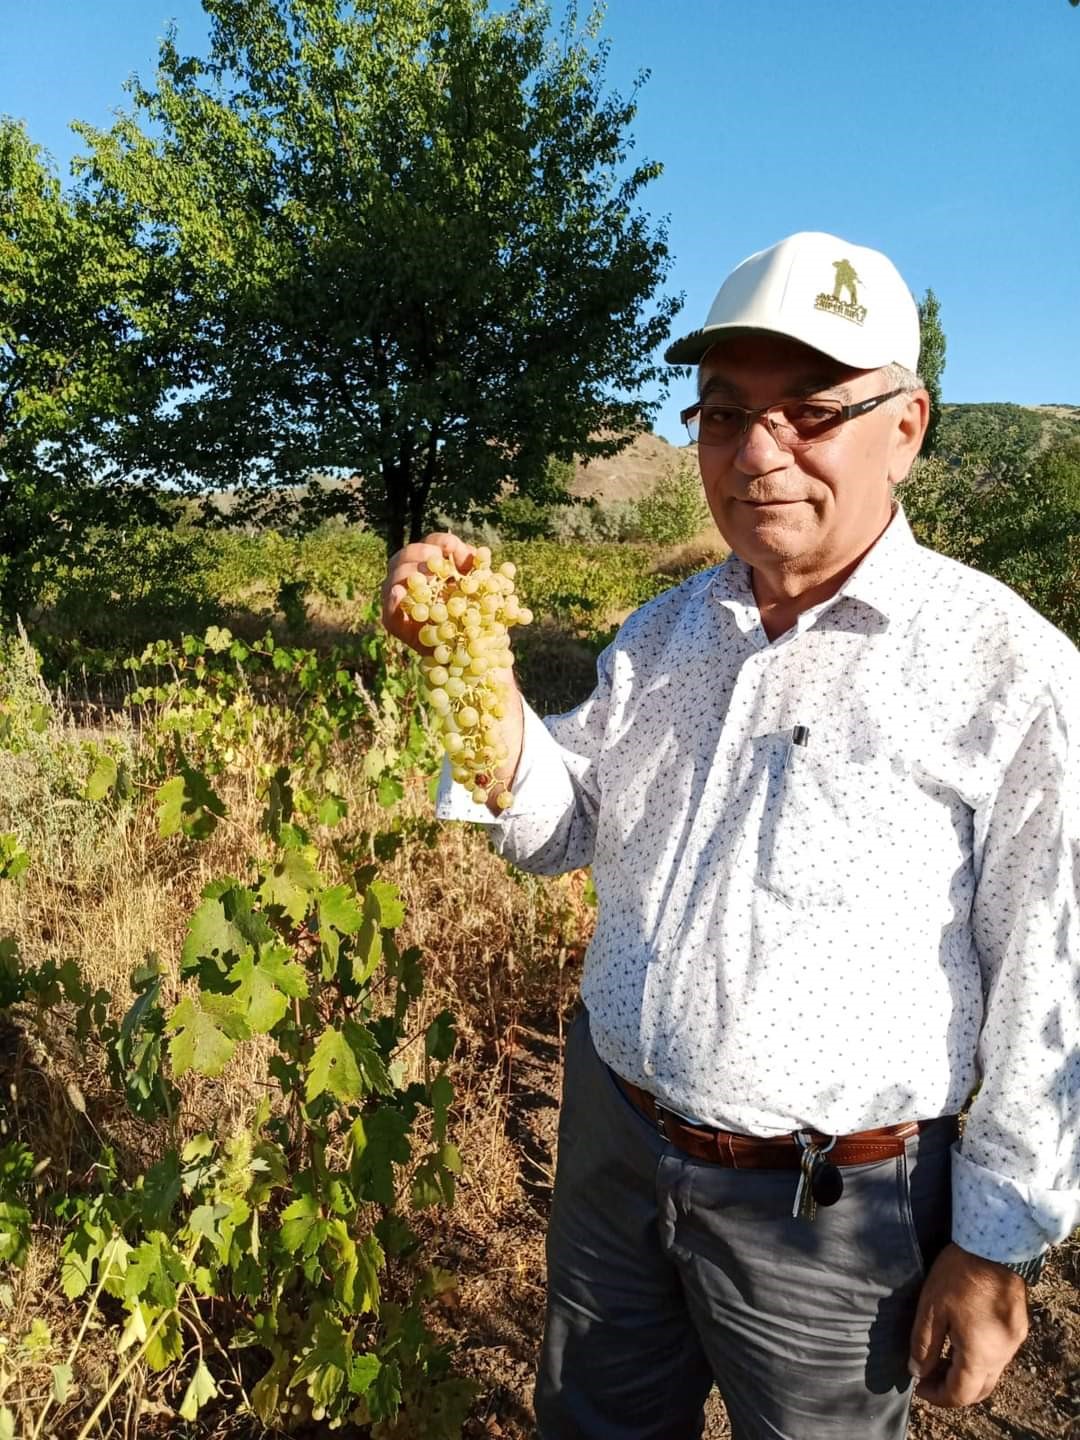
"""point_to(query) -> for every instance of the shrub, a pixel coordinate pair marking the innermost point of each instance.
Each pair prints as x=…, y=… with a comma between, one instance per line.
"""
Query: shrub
x=675, y=511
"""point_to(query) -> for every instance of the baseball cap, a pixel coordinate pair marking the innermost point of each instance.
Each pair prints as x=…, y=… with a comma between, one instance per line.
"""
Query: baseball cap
x=847, y=301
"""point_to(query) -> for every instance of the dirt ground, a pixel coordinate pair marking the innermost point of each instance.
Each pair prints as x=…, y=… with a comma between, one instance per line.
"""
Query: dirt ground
x=501, y=1299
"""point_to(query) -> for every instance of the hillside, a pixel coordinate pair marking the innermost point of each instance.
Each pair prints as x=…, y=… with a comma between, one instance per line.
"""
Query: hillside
x=633, y=472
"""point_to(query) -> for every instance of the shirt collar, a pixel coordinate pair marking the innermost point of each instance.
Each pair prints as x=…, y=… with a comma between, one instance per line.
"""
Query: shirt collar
x=884, y=580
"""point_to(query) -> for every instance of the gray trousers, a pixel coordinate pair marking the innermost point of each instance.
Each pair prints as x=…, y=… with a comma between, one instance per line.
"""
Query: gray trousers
x=667, y=1274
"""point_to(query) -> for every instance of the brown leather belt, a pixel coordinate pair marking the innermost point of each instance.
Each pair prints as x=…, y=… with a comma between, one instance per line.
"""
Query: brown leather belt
x=780, y=1152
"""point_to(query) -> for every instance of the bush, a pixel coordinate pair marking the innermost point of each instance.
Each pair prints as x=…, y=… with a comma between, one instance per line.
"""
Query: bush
x=675, y=511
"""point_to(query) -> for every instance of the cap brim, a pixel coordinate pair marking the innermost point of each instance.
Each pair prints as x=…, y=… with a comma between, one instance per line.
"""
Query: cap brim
x=693, y=348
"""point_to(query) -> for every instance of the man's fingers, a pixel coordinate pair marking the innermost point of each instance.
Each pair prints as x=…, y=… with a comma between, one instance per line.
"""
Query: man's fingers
x=927, y=1337
x=411, y=559
x=956, y=1382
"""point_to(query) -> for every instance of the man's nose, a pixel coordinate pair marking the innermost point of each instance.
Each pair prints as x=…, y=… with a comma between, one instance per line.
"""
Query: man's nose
x=759, y=449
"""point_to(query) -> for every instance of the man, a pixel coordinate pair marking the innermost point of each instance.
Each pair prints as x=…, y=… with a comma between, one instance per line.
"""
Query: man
x=830, y=795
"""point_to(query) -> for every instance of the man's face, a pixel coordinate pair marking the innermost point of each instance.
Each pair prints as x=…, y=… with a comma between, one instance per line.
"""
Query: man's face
x=814, y=509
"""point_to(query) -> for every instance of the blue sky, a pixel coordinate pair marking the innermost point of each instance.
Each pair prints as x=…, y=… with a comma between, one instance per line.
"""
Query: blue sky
x=945, y=132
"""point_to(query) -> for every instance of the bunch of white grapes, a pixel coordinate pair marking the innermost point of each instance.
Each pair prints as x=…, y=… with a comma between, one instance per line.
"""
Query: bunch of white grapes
x=465, y=622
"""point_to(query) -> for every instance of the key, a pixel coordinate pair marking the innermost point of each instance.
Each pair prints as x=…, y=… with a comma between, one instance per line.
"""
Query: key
x=820, y=1182
x=805, y=1207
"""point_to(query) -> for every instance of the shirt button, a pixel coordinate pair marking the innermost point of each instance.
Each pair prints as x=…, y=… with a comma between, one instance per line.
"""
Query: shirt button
x=648, y=1067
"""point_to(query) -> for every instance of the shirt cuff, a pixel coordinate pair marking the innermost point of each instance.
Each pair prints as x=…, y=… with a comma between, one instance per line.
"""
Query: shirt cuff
x=1003, y=1219
x=532, y=779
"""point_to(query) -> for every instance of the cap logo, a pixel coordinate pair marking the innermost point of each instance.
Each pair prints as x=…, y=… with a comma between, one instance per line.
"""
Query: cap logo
x=846, y=279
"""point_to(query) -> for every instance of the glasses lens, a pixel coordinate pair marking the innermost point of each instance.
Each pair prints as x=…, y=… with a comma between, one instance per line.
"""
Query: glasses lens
x=719, y=423
x=804, y=419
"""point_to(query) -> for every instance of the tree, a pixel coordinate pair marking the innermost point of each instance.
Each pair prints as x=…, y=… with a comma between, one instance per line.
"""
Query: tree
x=404, y=244
x=1023, y=528
x=70, y=368
x=931, y=363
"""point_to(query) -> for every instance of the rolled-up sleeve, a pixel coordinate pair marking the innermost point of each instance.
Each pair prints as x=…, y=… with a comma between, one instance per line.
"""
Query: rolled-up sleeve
x=1016, y=1177
x=550, y=826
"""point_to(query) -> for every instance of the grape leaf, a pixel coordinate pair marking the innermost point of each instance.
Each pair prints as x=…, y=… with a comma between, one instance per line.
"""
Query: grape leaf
x=62, y=1376
x=440, y=1037
x=102, y=779
x=327, y=1364
x=200, y=1389
x=225, y=923
x=292, y=885
x=167, y=1345
x=302, y=1225
x=266, y=983
x=383, y=903
x=384, y=1136
x=338, y=908
x=333, y=1067
x=154, y=1269
x=204, y=1034
x=362, y=1373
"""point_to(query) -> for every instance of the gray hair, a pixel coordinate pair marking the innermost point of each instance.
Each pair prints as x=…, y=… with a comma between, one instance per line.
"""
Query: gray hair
x=898, y=377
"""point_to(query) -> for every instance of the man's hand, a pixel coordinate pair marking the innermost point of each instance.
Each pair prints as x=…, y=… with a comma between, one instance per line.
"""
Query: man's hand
x=981, y=1309
x=407, y=562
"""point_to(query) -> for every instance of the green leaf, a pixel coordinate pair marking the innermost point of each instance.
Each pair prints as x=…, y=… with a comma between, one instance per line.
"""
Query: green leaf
x=225, y=924
x=441, y=1036
x=363, y=1372
x=102, y=779
x=7, y=1424
x=14, y=861
x=167, y=1345
x=188, y=803
x=62, y=1377
x=346, y=1064
x=200, y=1390
x=266, y=985
x=266, y=1392
x=327, y=1362
x=339, y=910
x=292, y=885
x=204, y=1034
x=154, y=1269
x=333, y=1068
x=440, y=1098
x=382, y=902
x=380, y=1141
x=389, y=790
x=303, y=1227
x=14, y=1232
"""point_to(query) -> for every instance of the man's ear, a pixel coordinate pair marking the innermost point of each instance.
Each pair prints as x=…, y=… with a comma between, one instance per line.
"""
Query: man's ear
x=911, y=423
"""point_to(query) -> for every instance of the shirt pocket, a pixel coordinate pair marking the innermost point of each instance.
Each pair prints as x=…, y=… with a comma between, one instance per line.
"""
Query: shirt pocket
x=829, y=828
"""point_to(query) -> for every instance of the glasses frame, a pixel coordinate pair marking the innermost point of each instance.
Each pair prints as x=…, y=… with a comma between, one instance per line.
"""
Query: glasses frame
x=764, y=412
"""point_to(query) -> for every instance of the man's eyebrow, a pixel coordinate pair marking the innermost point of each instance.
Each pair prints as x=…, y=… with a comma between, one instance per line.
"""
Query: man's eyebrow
x=809, y=385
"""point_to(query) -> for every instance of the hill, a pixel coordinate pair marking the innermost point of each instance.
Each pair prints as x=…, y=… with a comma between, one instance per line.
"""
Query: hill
x=632, y=473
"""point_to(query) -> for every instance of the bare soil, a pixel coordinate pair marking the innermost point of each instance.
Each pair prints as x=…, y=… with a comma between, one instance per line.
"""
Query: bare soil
x=500, y=1303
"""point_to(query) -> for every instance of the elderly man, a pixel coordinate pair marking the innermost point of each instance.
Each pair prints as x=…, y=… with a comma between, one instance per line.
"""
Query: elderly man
x=829, y=791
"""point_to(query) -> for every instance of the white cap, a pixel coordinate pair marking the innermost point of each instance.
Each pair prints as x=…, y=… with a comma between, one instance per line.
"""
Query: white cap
x=849, y=302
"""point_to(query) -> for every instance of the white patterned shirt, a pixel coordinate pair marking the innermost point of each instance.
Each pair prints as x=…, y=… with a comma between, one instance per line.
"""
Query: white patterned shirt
x=854, y=931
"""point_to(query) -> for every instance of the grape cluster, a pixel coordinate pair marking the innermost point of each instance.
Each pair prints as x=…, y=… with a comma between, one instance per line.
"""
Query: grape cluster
x=465, y=622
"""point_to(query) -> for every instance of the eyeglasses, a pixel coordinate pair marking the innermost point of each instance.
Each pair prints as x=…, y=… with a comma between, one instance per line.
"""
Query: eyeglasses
x=793, y=423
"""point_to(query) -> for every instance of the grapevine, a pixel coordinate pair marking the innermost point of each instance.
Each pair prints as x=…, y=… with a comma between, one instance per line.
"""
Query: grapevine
x=465, y=621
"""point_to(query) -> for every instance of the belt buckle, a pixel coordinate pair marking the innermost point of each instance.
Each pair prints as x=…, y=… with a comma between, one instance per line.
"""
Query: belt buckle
x=661, y=1121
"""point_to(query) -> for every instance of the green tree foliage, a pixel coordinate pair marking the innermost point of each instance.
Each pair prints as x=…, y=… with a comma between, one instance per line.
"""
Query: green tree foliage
x=404, y=244
x=997, y=440
x=73, y=292
x=931, y=363
x=1022, y=528
x=675, y=511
